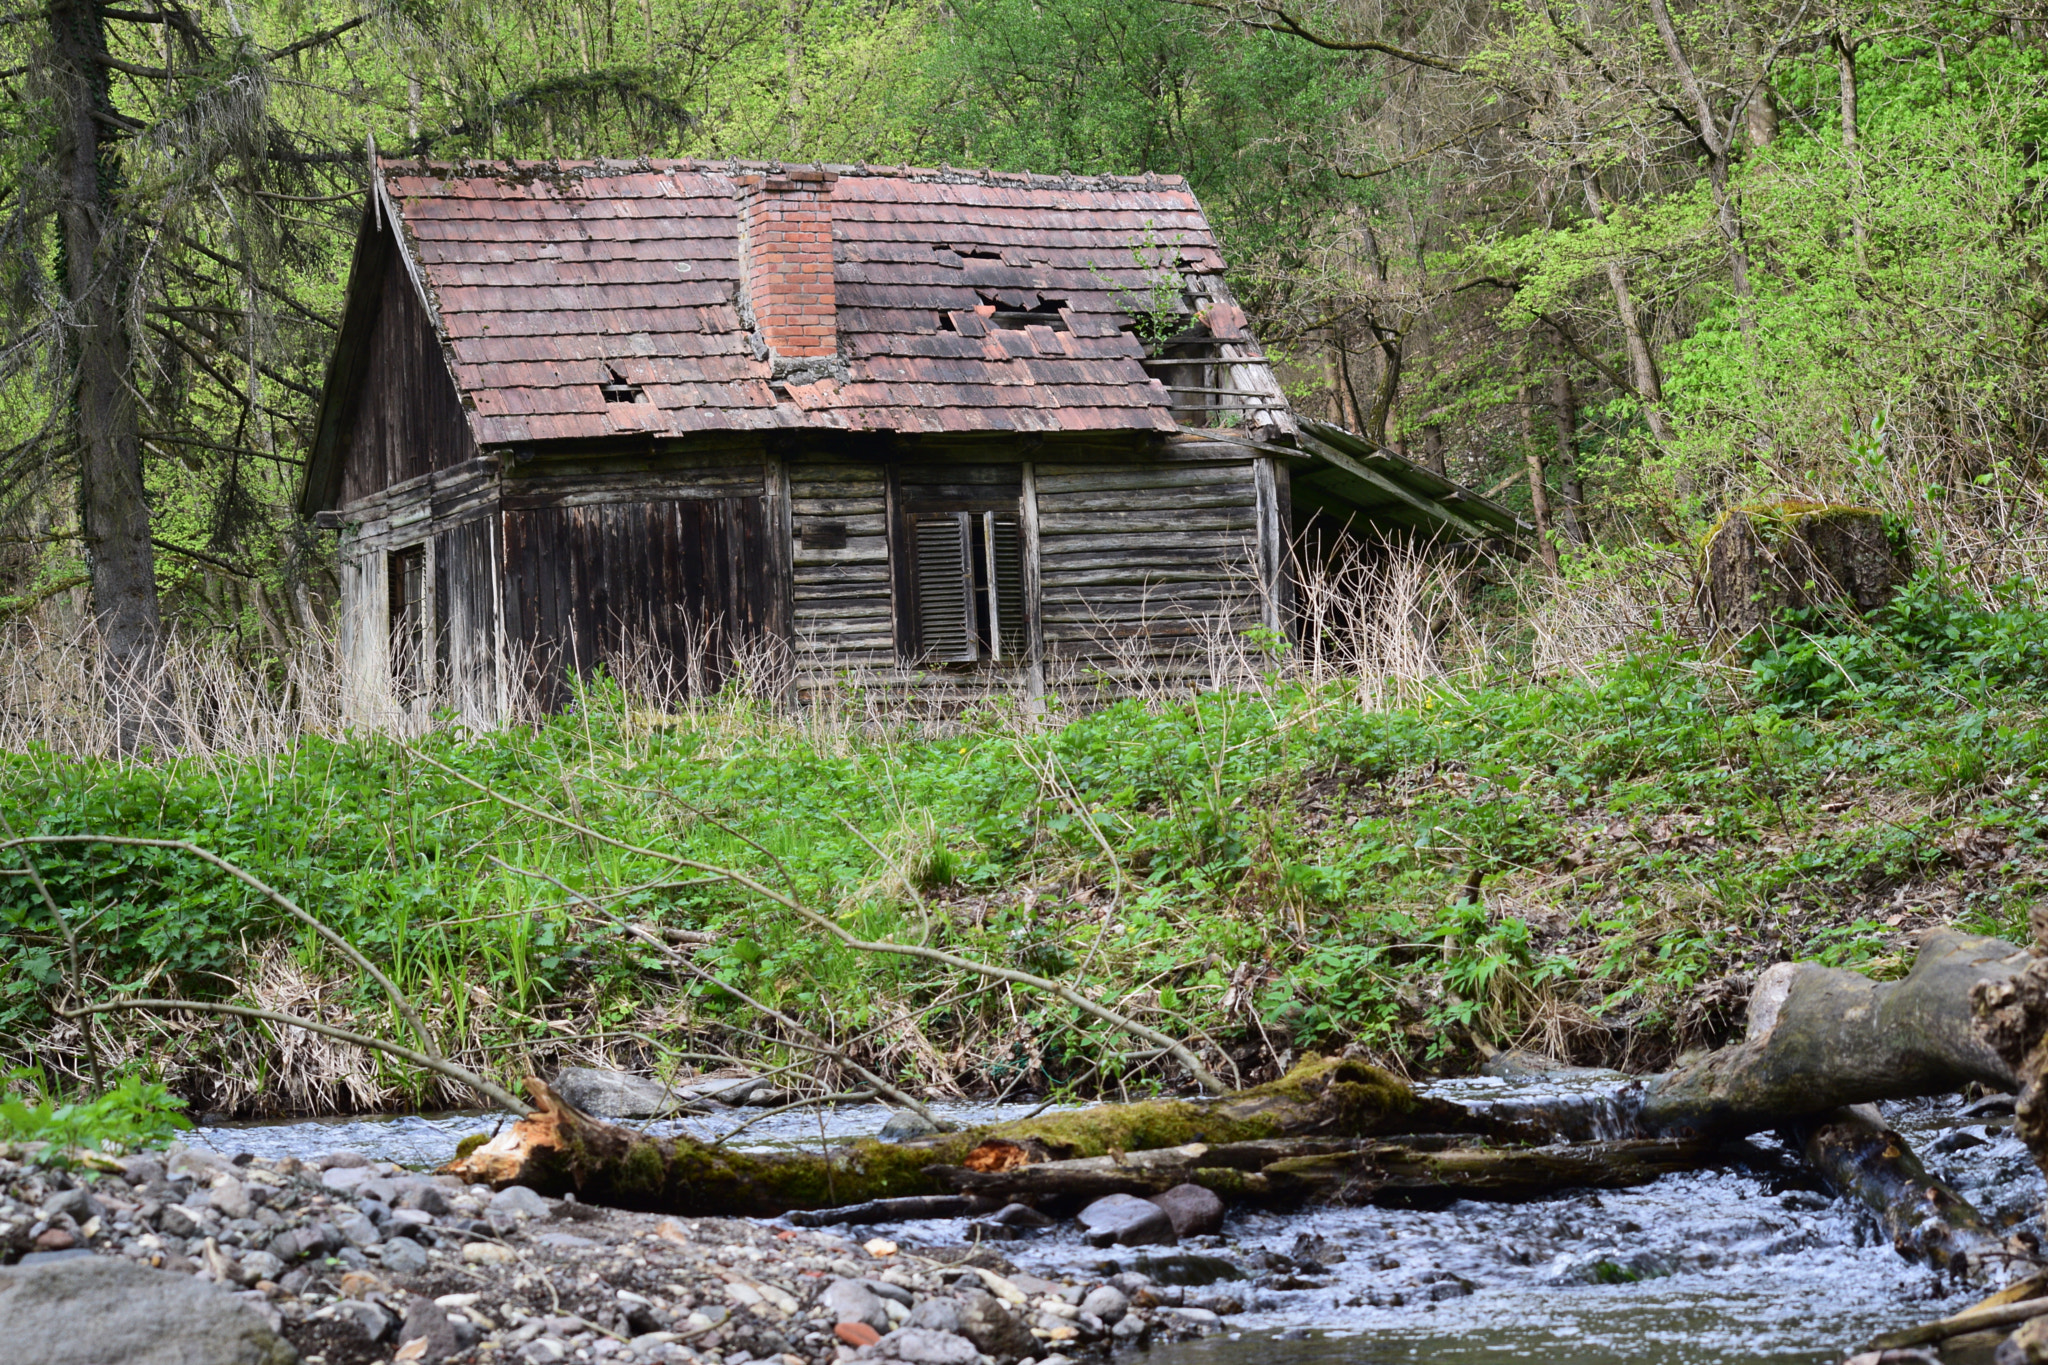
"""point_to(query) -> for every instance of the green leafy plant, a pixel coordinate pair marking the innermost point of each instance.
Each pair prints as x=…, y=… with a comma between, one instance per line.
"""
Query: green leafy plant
x=133, y=1114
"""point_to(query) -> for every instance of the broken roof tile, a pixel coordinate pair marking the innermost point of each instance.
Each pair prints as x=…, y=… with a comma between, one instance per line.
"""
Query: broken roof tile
x=547, y=277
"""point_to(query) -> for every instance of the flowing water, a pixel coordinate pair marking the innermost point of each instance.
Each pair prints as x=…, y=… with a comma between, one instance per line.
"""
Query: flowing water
x=1747, y=1264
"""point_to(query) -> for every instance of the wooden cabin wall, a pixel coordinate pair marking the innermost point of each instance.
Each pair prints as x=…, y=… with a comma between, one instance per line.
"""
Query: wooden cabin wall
x=1143, y=561
x=408, y=420
x=659, y=567
x=840, y=604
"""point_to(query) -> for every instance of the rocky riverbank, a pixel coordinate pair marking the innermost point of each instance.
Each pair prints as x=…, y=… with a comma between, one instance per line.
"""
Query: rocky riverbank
x=344, y=1261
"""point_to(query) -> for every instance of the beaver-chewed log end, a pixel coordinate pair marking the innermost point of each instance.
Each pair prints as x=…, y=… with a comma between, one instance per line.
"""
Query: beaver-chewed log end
x=505, y=1159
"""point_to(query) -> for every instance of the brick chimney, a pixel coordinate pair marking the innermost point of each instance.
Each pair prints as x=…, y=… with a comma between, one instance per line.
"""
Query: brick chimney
x=786, y=259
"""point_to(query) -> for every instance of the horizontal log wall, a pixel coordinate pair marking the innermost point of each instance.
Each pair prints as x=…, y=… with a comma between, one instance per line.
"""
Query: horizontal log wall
x=1144, y=563
x=840, y=615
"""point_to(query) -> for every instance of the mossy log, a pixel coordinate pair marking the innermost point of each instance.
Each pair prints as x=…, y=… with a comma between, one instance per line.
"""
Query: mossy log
x=1356, y=1171
x=1765, y=560
x=1863, y=1157
x=1820, y=1039
x=559, y=1149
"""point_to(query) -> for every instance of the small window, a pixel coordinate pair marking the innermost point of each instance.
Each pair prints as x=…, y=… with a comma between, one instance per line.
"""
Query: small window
x=968, y=578
x=406, y=571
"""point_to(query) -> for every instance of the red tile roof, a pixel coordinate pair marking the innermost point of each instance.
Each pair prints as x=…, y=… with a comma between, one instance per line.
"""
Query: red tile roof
x=548, y=278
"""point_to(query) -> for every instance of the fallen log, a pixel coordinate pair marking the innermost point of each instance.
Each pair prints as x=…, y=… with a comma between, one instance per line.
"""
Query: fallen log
x=1861, y=1156
x=1354, y=1171
x=559, y=1149
x=1821, y=1038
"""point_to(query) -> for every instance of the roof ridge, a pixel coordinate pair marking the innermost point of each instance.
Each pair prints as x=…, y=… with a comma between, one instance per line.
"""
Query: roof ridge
x=605, y=167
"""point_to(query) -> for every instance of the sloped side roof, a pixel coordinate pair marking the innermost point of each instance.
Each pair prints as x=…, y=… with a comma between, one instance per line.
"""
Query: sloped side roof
x=1351, y=473
x=547, y=279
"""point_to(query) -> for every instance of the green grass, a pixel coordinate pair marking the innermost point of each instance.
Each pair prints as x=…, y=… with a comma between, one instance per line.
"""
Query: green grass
x=1263, y=870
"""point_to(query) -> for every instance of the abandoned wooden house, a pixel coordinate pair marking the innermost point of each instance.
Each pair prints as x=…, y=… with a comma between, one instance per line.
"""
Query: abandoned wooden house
x=895, y=423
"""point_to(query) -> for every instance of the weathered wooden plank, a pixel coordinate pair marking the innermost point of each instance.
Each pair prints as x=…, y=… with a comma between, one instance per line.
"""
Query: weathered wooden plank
x=1150, y=521
x=1057, y=480
x=1123, y=500
x=839, y=509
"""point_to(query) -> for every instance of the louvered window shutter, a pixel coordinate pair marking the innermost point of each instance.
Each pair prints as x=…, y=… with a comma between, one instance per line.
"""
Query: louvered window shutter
x=1006, y=579
x=945, y=588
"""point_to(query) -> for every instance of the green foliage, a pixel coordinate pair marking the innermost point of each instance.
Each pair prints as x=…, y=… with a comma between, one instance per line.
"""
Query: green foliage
x=1279, y=865
x=134, y=1114
x=1934, y=639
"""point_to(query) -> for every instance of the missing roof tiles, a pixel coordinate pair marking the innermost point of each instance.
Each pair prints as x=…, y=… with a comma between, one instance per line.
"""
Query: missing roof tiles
x=617, y=390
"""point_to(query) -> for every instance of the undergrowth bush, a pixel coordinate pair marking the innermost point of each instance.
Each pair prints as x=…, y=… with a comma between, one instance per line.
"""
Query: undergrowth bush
x=132, y=1114
x=1936, y=637
x=1564, y=863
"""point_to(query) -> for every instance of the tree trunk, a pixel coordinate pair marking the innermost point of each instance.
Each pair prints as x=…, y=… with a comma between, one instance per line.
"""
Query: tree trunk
x=1716, y=141
x=1763, y=561
x=113, y=508
x=1857, y=1153
x=559, y=1149
x=1649, y=385
x=1564, y=404
x=1539, y=492
x=1820, y=1039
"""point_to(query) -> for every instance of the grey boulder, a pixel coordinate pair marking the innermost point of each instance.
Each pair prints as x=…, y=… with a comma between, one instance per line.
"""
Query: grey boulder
x=994, y=1328
x=1126, y=1220
x=616, y=1094
x=95, y=1310
x=905, y=1124
x=520, y=1202
x=923, y=1346
x=852, y=1301
x=1195, y=1211
x=1106, y=1302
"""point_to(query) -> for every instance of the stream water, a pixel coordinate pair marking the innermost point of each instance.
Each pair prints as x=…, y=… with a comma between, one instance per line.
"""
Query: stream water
x=1748, y=1264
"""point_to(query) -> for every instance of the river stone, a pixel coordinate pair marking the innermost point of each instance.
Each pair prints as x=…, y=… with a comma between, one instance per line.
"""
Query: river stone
x=402, y=1256
x=76, y=1201
x=616, y=1094
x=1106, y=1302
x=994, y=1328
x=369, y=1317
x=230, y=1196
x=905, y=1124
x=732, y=1090
x=1195, y=1211
x=937, y=1314
x=101, y=1309
x=852, y=1301
x=520, y=1202
x=922, y=1346
x=1126, y=1220
x=428, y=1321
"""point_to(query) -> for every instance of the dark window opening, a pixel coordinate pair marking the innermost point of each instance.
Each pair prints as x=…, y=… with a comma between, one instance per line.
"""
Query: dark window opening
x=406, y=575
x=968, y=581
x=1045, y=314
x=618, y=390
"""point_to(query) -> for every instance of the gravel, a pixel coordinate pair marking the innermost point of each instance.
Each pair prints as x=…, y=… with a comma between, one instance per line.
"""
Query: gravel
x=363, y=1261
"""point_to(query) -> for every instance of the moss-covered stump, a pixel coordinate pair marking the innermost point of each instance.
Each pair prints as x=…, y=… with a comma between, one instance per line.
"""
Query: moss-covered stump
x=1762, y=561
x=559, y=1149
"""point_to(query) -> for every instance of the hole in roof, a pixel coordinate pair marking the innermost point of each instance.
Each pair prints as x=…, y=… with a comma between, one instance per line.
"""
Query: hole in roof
x=617, y=390
x=977, y=253
x=1046, y=313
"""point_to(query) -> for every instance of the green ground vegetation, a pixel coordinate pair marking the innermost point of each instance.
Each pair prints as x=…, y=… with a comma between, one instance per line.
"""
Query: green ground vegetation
x=1580, y=864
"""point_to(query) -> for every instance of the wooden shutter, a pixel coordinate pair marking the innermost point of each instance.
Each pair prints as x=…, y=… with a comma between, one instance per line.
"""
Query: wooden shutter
x=944, y=566
x=1006, y=585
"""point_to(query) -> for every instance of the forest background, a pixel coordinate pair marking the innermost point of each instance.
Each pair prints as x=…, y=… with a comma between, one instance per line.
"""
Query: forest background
x=1620, y=263
x=1623, y=265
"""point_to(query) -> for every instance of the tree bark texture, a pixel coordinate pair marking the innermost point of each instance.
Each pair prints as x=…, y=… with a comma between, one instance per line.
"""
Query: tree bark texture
x=96, y=258
x=1860, y=1155
x=559, y=1149
x=1820, y=1038
x=1763, y=561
